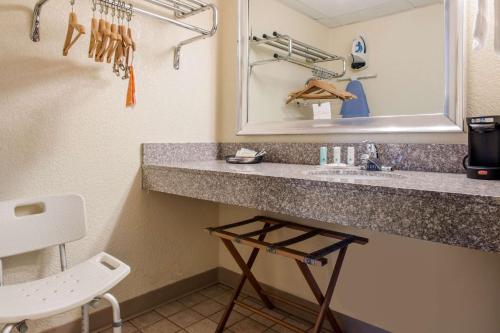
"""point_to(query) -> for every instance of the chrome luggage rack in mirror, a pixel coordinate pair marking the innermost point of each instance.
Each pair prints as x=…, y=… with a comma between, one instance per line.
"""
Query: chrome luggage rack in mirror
x=296, y=50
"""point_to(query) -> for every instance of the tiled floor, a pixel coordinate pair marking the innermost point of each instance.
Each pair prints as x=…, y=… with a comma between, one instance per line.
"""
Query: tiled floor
x=200, y=312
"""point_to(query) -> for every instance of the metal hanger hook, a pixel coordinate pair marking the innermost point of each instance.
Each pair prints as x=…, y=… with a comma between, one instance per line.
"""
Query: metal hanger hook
x=93, y=7
x=129, y=13
x=101, y=8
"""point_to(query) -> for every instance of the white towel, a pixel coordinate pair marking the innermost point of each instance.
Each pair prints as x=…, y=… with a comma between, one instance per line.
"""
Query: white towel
x=481, y=24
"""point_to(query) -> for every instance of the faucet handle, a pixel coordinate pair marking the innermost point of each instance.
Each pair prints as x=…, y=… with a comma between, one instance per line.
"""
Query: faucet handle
x=371, y=149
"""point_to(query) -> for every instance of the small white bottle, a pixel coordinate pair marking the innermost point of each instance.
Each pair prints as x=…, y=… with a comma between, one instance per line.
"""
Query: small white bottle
x=351, y=156
x=337, y=155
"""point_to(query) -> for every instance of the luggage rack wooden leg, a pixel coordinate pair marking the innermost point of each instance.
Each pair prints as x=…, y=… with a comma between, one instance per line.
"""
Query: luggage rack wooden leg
x=230, y=306
x=302, y=260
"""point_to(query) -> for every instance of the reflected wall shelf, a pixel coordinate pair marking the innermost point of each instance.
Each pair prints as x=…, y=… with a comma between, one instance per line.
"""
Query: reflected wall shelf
x=299, y=53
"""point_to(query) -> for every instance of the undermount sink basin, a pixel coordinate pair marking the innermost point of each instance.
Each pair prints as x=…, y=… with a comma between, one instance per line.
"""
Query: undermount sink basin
x=342, y=174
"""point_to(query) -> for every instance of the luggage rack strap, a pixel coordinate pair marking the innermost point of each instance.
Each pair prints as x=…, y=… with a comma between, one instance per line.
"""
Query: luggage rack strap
x=316, y=258
x=260, y=231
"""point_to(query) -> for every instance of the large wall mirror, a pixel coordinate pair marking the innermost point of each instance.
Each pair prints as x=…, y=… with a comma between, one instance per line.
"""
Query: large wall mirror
x=357, y=66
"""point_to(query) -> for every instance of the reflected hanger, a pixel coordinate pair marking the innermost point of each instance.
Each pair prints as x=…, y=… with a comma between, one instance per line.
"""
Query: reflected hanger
x=318, y=89
x=73, y=26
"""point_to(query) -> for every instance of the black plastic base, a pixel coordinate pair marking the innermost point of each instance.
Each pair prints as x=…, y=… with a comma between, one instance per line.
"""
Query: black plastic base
x=486, y=173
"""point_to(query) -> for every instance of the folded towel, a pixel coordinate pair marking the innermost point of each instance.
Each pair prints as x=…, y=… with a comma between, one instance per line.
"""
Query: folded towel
x=355, y=107
x=480, y=25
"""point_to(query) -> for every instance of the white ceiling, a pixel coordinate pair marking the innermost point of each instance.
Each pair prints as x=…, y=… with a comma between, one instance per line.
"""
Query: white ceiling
x=334, y=13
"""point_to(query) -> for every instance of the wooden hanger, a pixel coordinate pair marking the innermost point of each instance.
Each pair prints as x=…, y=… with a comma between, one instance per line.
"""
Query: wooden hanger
x=106, y=39
x=95, y=37
x=129, y=34
x=318, y=89
x=130, y=49
x=100, y=36
x=116, y=39
x=73, y=26
x=122, y=49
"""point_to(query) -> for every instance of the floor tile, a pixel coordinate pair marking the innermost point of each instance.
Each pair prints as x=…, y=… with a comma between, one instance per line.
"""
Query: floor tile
x=248, y=325
x=163, y=326
x=193, y=299
x=233, y=318
x=146, y=319
x=171, y=308
x=323, y=330
x=225, y=297
x=214, y=290
x=203, y=326
x=253, y=302
x=274, y=313
x=185, y=318
x=208, y=307
x=300, y=323
x=126, y=328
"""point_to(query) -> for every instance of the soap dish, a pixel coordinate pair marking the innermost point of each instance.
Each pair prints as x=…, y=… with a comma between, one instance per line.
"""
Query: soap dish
x=244, y=160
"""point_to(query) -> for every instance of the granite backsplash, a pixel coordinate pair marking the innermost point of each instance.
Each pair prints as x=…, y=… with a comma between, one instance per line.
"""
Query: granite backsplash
x=410, y=157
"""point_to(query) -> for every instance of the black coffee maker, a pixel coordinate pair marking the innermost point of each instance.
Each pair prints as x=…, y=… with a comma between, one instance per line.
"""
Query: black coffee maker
x=483, y=161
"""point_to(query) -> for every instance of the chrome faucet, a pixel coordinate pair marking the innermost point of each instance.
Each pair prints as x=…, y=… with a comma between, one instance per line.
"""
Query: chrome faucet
x=370, y=160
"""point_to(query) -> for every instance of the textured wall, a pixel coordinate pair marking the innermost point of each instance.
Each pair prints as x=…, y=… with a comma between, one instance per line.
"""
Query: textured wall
x=63, y=128
x=483, y=71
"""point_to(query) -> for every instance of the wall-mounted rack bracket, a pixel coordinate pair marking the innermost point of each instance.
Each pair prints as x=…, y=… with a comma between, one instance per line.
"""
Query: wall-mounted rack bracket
x=300, y=54
x=181, y=9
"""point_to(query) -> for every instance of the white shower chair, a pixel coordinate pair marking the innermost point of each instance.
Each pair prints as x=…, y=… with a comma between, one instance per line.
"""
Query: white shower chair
x=35, y=224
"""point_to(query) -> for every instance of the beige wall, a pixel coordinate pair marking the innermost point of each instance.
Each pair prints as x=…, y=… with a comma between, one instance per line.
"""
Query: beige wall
x=271, y=83
x=406, y=51
x=63, y=128
x=400, y=284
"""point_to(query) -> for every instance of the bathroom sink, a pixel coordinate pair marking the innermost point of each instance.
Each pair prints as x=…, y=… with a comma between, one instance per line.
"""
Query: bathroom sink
x=352, y=174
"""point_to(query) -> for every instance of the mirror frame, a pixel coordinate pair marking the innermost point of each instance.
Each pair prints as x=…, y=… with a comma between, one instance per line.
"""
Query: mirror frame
x=451, y=120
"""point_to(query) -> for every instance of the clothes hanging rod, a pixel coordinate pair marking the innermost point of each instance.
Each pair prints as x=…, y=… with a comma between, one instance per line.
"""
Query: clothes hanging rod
x=360, y=77
x=293, y=47
x=320, y=72
x=181, y=10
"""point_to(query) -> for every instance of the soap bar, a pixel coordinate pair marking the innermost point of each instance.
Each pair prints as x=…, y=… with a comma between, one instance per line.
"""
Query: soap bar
x=243, y=152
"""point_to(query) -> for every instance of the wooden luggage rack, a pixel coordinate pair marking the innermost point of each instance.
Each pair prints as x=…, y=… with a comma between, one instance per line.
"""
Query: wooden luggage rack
x=303, y=259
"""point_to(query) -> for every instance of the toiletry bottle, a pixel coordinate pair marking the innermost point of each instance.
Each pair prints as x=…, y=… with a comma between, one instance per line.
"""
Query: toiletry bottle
x=323, y=155
x=337, y=155
x=351, y=157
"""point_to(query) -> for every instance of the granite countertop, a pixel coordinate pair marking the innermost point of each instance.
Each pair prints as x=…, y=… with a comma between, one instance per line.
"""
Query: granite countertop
x=415, y=182
x=441, y=207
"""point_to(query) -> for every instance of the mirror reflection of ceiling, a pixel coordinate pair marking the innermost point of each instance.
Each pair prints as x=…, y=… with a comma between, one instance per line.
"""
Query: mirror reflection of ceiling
x=335, y=13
